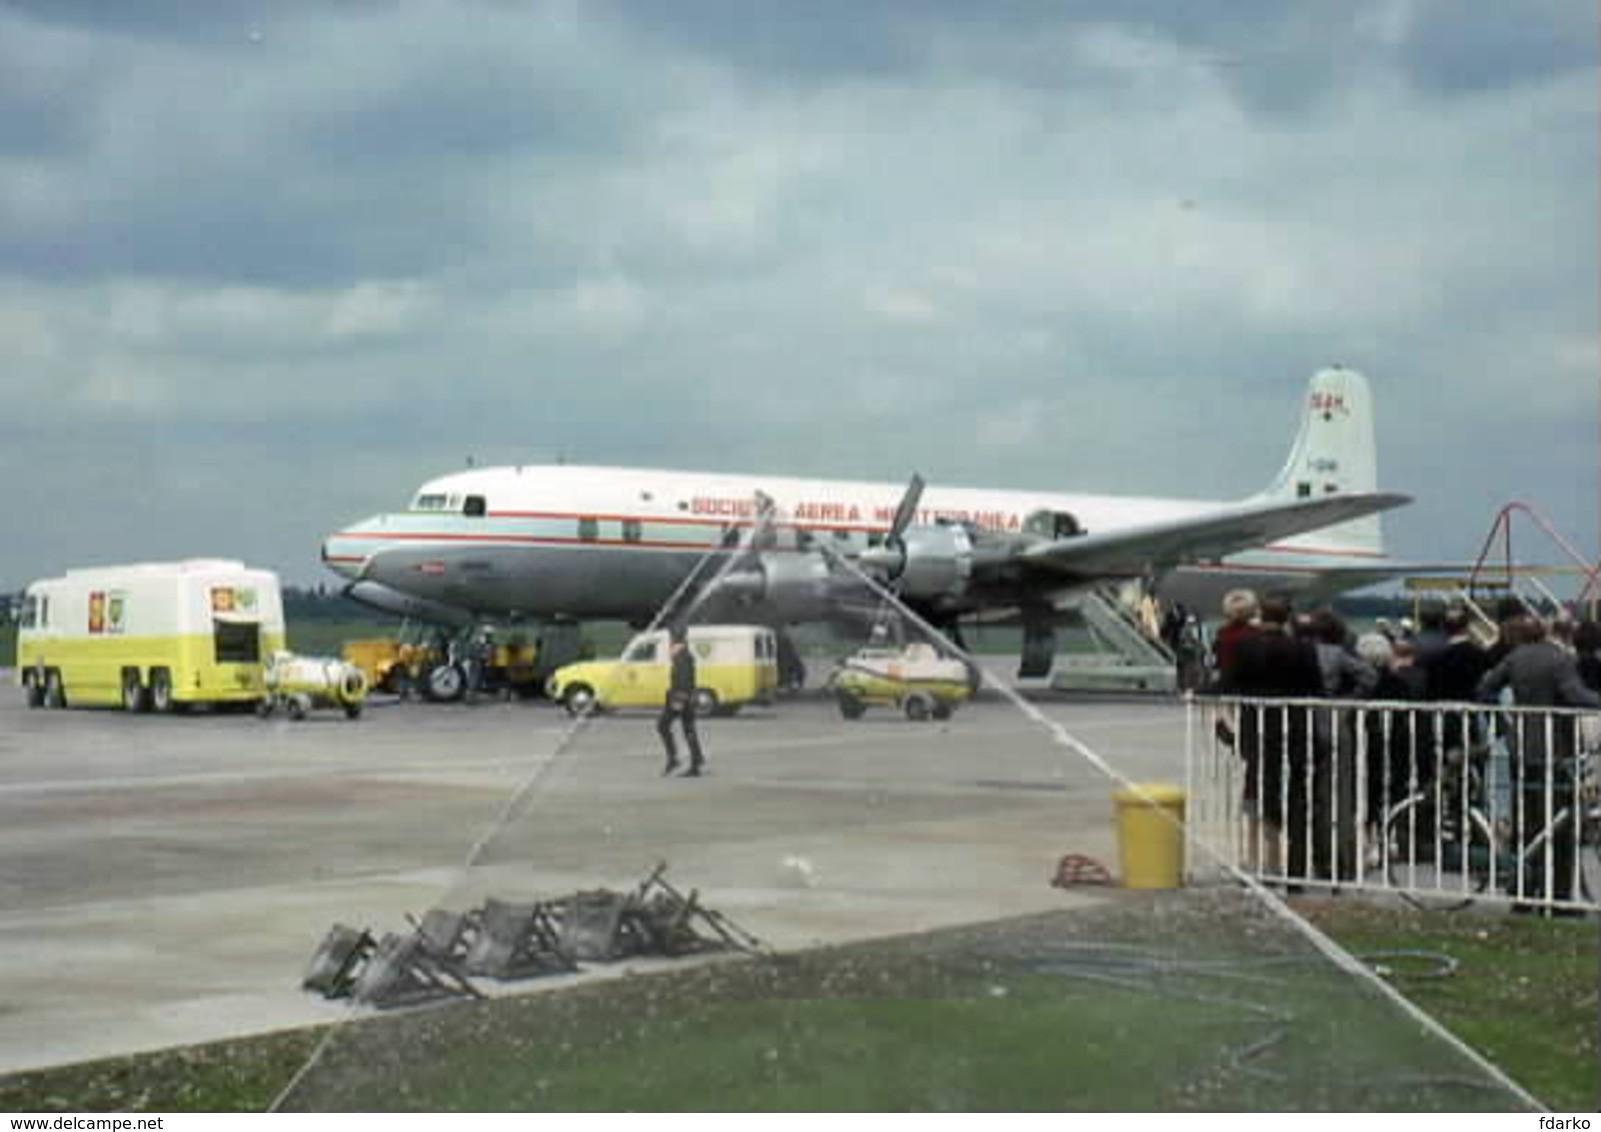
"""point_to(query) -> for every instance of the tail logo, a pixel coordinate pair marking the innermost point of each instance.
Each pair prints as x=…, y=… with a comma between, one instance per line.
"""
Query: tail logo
x=1329, y=403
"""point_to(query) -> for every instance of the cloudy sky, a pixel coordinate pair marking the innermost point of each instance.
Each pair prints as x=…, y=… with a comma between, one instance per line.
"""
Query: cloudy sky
x=265, y=267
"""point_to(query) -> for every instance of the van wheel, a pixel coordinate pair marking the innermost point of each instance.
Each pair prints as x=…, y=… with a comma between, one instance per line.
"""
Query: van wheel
x=133, y=693
x=917, y=708
x=705, y=701
x=850, y=707
x=33, y=689
x=55, y=694
x=160, y=690
x=578, y=698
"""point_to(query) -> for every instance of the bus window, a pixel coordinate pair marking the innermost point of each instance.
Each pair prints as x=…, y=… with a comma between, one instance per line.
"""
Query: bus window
x=474, y=506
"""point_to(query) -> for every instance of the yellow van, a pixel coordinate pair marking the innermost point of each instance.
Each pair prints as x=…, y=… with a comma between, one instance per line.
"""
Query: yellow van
x=734, y=665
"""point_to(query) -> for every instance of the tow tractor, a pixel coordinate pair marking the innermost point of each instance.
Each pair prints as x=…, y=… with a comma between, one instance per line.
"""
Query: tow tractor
x=445, y=666
x=914, y=680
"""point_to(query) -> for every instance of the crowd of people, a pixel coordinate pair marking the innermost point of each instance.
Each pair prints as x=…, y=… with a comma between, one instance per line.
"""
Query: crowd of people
x=1317, y=772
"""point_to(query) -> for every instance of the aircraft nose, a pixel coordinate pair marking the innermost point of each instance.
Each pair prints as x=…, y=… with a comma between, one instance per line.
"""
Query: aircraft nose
x=340, y=555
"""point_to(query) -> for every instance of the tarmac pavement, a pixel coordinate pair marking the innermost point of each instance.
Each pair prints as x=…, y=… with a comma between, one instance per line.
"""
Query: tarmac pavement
x=164, y=879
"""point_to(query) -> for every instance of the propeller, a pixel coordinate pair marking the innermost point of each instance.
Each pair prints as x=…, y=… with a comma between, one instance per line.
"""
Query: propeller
x=890, y=559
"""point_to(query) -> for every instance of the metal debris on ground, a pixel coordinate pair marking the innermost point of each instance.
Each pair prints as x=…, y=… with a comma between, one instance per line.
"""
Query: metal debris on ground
x=1076, y=869
x=404, y=971
x=516, y=941
x=654, y=919
x=337, y=960
x=508, y=940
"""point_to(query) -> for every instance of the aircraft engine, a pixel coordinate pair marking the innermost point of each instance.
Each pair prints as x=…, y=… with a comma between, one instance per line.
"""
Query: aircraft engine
x=786, y=587
x=928, y=563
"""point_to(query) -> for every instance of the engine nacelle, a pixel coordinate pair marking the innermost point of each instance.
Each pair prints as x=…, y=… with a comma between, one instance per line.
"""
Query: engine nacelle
x=936, y=562
x=784, y=587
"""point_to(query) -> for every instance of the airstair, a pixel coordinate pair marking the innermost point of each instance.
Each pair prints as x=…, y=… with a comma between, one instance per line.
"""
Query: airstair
x=1121, y=651
x=1496, y=579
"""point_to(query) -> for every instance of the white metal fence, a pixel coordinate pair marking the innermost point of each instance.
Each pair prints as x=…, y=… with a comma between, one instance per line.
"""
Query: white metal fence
x=1440, y=803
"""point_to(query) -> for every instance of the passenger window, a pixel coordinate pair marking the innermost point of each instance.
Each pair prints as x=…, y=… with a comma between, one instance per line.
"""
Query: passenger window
x=474, y=506
x=588, y=529
x=632, y=531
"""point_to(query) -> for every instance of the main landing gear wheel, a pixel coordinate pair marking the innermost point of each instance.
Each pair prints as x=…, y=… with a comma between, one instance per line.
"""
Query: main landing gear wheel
x=445, y=683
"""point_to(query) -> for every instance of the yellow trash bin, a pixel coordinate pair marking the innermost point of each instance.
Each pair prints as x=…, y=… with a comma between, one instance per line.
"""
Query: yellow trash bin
x=1150, y=835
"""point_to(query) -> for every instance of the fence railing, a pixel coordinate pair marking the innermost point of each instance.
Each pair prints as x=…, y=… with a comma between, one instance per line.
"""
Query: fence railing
x=1441, y=803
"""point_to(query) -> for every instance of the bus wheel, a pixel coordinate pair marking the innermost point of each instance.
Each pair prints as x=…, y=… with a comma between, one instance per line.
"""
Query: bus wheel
x=55, y=695
x=917, y=707
x=34, y=690
x=160, y=690
x=133, y=693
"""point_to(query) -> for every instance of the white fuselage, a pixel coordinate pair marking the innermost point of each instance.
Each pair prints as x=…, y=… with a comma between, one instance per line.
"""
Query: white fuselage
x=614, y=542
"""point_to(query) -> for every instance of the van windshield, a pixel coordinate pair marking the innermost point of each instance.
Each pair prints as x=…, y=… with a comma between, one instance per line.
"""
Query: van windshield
x=641, y=652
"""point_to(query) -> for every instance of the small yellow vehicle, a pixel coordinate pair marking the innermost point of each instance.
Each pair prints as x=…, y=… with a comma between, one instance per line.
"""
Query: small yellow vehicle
x=915, y=680
x=296, y=684
x=734, y=665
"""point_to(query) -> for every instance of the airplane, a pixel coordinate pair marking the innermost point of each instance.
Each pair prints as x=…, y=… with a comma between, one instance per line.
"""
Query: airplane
x=582, y=543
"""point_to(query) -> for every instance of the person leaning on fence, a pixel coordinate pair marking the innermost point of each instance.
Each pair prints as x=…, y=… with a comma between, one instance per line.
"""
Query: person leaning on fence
x=1540, y=673
x=1272, y=740
x=1393, y=733
x=1335, y=784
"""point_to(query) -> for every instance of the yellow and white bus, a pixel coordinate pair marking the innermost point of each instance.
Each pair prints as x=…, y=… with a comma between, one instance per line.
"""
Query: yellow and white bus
x=154, y=635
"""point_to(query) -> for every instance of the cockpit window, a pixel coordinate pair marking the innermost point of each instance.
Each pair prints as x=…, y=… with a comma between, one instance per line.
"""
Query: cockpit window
x=473, y=506
x=429, y=503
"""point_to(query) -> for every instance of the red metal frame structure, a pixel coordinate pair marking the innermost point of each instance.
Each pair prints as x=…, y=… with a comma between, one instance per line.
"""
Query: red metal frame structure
x=1502, y=528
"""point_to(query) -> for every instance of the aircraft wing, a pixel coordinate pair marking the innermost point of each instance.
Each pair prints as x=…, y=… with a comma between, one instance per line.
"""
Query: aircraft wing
x=1154, y=547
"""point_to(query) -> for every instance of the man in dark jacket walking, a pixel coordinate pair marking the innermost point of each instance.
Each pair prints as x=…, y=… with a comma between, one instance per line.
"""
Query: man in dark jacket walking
x=680, y=705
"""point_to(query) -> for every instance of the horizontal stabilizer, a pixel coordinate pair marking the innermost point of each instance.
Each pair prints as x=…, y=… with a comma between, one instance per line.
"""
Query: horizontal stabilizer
x=1153, y=548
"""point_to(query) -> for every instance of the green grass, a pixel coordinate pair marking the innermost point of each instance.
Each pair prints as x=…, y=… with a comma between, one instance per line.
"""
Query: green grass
x=968, y=1020
x=1524, y=995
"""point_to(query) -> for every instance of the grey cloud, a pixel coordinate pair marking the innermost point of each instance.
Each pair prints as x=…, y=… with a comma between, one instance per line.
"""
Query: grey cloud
x=1456, y=47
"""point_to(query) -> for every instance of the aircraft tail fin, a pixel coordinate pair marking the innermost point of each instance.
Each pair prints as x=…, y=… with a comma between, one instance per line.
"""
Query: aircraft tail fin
x=1334, y=453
